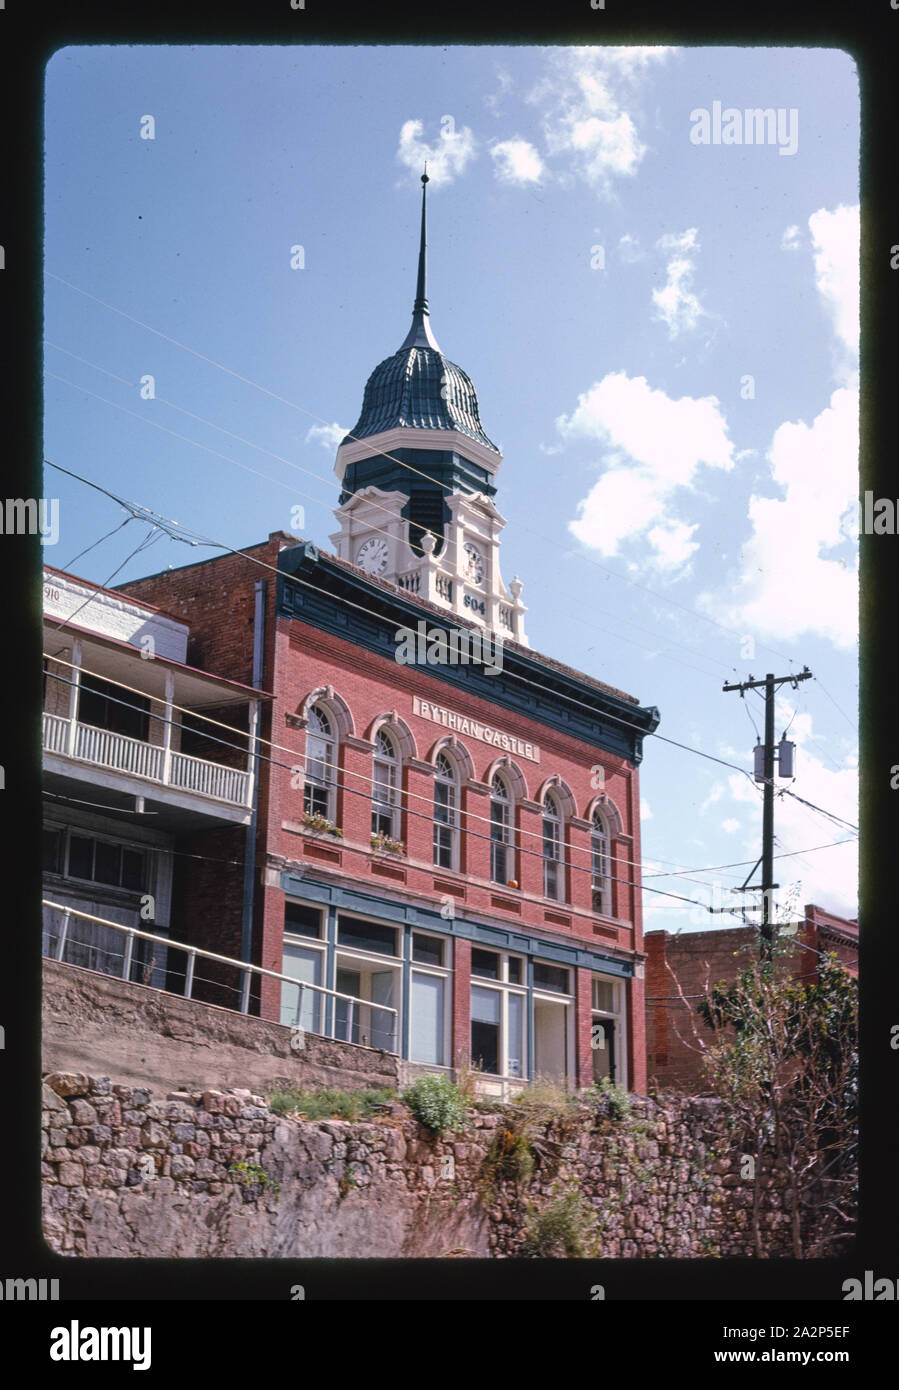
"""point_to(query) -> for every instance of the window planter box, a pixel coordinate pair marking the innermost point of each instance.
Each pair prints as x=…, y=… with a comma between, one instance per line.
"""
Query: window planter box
x=321, y=826
x=385, y=844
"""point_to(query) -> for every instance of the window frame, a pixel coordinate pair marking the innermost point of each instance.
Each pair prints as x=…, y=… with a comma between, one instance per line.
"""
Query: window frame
x=320, y=792
x=441, y=972
x=446, y=831
x=348, y=957
x=501, y=798
x=600, y=849
x=553, y=835
x=386, y=809
x=616, y=1015
x=505, y=987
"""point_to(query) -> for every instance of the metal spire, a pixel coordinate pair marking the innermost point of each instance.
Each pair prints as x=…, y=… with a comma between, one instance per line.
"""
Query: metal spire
x=420, y=334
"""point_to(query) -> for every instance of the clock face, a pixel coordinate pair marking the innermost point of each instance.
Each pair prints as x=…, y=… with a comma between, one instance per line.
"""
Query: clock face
x=372, y=555
x=474, y=564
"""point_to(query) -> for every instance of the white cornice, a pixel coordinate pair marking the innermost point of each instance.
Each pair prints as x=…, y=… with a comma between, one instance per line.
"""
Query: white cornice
x=402, y=437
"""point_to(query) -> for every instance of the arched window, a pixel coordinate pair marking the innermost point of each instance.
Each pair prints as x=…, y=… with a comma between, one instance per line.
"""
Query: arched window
x=502, y=854
x=446, y=814
x=553, y=870
x=601, y=882
x=321, y=764
x=385, y=814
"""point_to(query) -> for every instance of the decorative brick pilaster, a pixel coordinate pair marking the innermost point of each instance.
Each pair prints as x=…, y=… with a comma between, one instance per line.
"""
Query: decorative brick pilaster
x=461, y=1039
x=583, y=1022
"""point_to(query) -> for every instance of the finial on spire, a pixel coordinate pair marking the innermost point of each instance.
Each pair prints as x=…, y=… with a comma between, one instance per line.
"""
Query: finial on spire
x=420, y=334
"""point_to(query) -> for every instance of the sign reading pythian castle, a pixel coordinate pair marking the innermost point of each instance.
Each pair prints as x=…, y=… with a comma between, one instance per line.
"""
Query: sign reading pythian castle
x=473, y=728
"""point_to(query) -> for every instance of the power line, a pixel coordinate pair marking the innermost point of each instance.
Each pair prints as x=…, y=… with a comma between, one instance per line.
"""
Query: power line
x=94, y=544
x=299, y=764
x=563, y=862
x=382, y=453
x=536, y=685
x=742, y=863
x=852, y=726
x=321, y=501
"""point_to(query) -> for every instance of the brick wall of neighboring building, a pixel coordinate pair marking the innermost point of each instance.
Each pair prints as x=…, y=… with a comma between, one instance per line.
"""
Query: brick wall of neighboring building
x=698, y=960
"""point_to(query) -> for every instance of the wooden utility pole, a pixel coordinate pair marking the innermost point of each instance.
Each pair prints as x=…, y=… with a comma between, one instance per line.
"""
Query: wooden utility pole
x=769, y=756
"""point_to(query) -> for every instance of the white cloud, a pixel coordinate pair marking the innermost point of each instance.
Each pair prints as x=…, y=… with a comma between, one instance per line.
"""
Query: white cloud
x=446, y=160
x=714, y=795
x=629, y=249
x=673, y=544
x=645, y=812
x=730, y=825
x=329, y=436
x=516, y=161
x=790, y=240
x=835, y=238
x=493, y=100
x=787, y=586
x=653, y=445
x=584, y=117
x=676, y=304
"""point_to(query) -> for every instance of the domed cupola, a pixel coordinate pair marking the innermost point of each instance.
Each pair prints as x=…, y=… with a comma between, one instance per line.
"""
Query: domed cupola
x=418, y=478
x=418, y=388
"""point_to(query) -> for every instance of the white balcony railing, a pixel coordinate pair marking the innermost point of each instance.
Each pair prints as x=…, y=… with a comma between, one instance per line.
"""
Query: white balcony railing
x=103, y=748
x=212, y=779
x=56, y=734
x=119, y=751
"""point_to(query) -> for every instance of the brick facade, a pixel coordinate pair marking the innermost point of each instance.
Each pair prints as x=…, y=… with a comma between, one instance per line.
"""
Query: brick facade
x=216, y=599
x=697, y=961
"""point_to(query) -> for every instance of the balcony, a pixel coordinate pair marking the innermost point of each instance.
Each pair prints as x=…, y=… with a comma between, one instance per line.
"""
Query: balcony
x=119, y=753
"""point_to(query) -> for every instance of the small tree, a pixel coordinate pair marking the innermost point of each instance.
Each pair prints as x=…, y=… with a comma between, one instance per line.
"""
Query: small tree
x=789, y=1078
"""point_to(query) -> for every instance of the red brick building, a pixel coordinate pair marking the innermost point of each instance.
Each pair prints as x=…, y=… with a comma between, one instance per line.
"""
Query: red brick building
x=691, y=962
x=447, y=830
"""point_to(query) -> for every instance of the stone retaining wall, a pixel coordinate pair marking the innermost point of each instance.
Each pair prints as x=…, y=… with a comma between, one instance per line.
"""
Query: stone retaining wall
x=129, y=1175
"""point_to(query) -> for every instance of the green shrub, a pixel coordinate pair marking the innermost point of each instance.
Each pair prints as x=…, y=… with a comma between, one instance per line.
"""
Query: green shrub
x=542, y=1103
x=331, y=1103
x=510, y=1156
x=255, y=1176
x=614, y=1100
x=436, y=1103
x=565, y=1227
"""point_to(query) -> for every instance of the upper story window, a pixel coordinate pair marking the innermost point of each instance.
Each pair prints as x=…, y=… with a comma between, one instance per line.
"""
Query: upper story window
x=502, y=867
x=108, y=706
x=601, y=883
x=553, y=868
x=321, y=764
x=446, y=813
x=385, y=811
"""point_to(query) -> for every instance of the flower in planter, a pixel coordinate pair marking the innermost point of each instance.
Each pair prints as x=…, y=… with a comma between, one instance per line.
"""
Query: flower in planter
x=316, y=821
x=380, y=841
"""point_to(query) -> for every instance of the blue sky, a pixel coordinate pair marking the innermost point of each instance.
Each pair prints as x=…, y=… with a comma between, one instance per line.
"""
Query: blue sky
x=663, y=336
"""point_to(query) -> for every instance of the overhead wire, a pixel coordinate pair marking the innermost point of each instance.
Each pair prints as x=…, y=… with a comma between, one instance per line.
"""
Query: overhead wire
x=293, y=579
x=401, y=462
x=378, y=530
